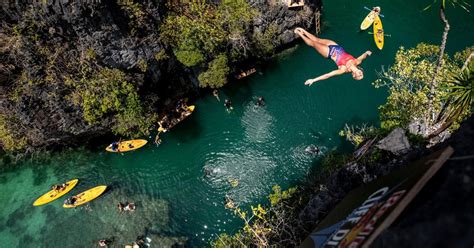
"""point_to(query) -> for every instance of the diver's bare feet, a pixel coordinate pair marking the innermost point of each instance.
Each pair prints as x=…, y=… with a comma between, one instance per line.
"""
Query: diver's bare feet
x=299, y=32
x=303, y=31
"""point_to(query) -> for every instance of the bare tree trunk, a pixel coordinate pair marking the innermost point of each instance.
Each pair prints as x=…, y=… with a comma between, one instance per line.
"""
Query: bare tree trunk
x=444, y=38
x=446, y=124
x=466, y=63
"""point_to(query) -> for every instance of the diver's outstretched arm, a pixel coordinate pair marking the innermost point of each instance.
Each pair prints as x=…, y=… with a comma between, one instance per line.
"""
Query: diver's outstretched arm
x=325, y=76
x=364, y=56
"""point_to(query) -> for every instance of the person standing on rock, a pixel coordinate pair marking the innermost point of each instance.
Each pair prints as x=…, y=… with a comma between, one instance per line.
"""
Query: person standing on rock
x=331, y=50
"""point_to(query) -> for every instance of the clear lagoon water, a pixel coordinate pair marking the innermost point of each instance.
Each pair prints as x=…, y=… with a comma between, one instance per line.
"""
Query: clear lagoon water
x=259, y=146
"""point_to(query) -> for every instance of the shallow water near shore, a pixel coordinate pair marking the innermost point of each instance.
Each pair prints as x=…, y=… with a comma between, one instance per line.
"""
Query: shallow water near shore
x=258, y=146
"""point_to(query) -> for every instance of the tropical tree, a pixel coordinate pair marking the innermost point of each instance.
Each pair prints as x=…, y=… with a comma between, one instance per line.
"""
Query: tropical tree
x=442, y=14
x=460, y=99
x=408, y=83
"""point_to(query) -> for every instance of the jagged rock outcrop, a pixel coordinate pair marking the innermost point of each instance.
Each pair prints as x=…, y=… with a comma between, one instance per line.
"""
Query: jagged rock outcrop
x=396, y=142
x=286, y=19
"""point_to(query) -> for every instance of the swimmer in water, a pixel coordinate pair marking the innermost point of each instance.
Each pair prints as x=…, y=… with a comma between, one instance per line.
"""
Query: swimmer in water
x=312, y=149
x=215, y=92
x=260, y=101
x=228, y=104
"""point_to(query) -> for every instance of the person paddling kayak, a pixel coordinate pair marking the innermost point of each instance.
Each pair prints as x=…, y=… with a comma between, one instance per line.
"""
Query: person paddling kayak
x=331, y=50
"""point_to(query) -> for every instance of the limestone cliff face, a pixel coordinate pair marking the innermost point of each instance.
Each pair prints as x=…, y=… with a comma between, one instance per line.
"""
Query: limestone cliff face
x=68, y=30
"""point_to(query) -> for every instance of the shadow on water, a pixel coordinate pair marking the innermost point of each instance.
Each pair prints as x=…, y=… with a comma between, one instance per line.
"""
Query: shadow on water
x=26, y=241
x=239, y=91
x=3, y=224
x=40, y=175
x=50, y=211
x=190, y=129
x=16, y=220
x=318, y=136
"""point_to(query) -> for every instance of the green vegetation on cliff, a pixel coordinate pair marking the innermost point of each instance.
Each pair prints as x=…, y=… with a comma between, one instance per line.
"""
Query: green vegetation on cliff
x=261, y=224
x=9, y=136
x=408, y=82
x=135, y=14
x=216, y=74
x=105, y=92
x=199, y=32
x=265, y=40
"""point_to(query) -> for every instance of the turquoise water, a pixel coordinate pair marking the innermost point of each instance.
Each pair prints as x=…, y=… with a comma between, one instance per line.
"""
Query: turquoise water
x=259, y=146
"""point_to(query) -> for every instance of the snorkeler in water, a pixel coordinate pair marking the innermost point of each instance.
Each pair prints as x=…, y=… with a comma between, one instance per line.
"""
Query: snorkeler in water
x=228, y=104
x=331, y=50
x=130, y=206
x=312, y=149
x=260, y=101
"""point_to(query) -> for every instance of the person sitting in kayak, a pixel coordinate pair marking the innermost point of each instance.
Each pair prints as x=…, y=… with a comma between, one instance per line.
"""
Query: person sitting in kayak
x=115, y=146
x=181, y=105
x=380, y=35
x=71, y=200
x=184, y=106
x=63, y=186
x=56, y=187
x=130, y=145
x=331, y=50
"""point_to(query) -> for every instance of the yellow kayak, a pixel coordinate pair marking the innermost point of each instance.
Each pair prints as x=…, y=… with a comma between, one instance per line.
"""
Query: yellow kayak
x=190, y=109
x=369, y=19
x=378, y=33
x=128, y=145
x=87, y=196
x=55, y=194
